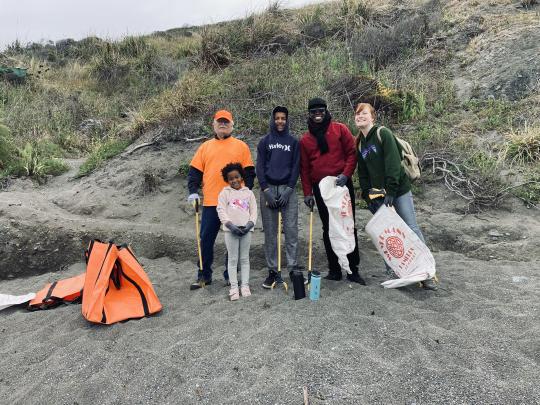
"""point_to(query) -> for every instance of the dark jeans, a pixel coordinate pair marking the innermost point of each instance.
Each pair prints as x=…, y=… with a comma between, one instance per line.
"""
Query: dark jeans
x=354, y=256
x=210, y=225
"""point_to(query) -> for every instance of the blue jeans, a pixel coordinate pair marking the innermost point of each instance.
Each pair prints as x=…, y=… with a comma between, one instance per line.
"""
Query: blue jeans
x=404, y=206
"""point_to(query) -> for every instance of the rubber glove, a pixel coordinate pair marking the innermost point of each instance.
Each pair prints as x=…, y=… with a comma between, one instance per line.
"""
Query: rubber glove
x=309, y=201
x=249, y=226
x=234, y=229
x=341, y=180
x=389, y=200
x=284, y=197
x=270, y=197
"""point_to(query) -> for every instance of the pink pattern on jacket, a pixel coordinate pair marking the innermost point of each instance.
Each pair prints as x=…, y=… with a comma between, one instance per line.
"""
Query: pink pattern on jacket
x=237, y=206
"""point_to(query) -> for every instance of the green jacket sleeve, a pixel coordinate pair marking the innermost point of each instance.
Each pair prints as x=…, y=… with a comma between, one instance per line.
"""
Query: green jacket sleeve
x=392, y=162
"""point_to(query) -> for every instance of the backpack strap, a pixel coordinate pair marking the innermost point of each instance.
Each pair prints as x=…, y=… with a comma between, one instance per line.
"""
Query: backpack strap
x=379, y=134
x=399, y=147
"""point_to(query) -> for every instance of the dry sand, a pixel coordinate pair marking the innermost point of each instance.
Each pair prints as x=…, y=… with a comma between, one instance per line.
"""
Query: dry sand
x=475, y=341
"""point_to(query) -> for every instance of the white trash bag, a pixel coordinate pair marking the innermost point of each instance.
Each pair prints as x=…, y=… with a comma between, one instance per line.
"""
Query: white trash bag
x=400, y=247
x=341, y=221
x=10, y=300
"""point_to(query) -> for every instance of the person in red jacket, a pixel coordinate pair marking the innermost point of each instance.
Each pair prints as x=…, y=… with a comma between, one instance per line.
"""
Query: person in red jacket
x=328, y=149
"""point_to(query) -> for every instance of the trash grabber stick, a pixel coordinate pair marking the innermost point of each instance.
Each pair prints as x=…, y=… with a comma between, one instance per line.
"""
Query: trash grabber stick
x=310, y=246
x=279, y=242
x=279, y=279
x=197, y=233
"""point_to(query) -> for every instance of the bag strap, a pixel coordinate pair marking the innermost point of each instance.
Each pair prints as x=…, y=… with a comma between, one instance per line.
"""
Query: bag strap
x=379, y=134
x=400, y=148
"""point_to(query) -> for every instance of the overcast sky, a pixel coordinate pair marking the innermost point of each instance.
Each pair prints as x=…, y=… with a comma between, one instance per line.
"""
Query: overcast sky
x=40, y=20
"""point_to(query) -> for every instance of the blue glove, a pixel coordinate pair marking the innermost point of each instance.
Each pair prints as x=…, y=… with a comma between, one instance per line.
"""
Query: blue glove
x=309, y=201
x=249, y=226
x=388, y=200
x=341, y=180
x=284, y=197
x=234, y=229
x=270, y=198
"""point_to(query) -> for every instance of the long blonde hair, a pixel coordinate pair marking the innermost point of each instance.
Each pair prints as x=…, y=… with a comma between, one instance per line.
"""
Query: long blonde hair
x=359, y=108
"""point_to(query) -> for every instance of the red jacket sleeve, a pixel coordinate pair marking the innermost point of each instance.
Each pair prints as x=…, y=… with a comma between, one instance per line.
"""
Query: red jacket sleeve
x=305, y=175
x=349, y=151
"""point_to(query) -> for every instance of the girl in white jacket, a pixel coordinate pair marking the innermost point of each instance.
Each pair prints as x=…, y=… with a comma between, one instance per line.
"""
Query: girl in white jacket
x=237, y=211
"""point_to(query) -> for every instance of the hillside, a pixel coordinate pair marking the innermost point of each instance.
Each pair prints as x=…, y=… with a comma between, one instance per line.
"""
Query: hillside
x=458, y=78
x=96, y=143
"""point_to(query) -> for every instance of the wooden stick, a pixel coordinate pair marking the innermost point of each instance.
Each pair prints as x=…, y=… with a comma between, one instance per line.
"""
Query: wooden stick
x=142, y=145
x=200, y=138
x=310, y=249
x=306, y=398
x=279, y=243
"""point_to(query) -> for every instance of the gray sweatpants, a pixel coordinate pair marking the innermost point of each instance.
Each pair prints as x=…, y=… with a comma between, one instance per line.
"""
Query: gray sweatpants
x=289, y=213
x=238, y=252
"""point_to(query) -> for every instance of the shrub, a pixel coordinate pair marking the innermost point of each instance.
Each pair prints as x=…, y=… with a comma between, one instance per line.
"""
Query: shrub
x=102, y=152
x=254, y=35
x=35, y=109
x=35, y=160
x=194, y=93
x=377, y=45
x=6, y=147
x=523, y=147
x=350, y=90
x=529, y=192
x=109, y=67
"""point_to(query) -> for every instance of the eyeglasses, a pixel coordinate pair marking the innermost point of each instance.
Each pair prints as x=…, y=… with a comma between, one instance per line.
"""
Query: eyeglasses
x=319, y=110
x=223, y=121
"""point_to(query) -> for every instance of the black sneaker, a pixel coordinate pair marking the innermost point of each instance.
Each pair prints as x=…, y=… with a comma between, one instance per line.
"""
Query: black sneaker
x=429, y=284
x=356, y=278
x=333, y=276
x=199, y=284
x=269, y=280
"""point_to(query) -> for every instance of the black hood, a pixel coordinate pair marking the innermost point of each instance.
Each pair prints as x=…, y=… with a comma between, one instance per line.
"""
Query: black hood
x=272, y=125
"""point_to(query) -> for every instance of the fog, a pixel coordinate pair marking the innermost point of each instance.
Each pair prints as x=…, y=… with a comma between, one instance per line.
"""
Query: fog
x=42, y=20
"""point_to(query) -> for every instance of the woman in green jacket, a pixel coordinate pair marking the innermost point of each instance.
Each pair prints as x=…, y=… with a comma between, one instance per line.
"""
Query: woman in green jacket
x=379, y=166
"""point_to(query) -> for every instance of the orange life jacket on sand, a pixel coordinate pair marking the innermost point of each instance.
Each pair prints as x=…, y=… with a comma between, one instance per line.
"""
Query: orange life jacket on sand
x=116, y=287
x=67, y=291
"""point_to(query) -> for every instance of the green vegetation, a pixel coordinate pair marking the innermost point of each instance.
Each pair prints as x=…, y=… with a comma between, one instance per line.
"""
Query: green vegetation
x=93, y=97
x=103, y=151
x=523, y=147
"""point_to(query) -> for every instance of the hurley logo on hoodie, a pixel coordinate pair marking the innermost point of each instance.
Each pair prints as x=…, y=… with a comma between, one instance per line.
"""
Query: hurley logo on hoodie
x=285, y=148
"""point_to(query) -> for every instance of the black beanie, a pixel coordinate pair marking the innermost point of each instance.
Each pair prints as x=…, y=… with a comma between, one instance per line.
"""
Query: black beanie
x=316, y=102
x=280, y=109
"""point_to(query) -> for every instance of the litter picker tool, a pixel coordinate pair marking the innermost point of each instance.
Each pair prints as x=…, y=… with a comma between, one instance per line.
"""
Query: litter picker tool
x=279, y=280
x=198, y=237
x=310, y=246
